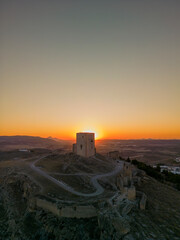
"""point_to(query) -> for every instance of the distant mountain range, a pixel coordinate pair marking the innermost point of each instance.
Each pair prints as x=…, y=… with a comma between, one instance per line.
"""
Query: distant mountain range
x=56, y=139
x=17, y=142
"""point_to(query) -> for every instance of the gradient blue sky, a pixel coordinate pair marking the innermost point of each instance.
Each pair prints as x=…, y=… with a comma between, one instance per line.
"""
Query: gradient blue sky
x=109, y=66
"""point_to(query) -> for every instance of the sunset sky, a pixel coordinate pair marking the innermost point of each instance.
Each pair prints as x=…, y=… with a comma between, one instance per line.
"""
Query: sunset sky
x=112, y=67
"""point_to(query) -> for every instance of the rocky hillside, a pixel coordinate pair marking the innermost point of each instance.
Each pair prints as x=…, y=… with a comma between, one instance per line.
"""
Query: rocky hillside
x=121, y=221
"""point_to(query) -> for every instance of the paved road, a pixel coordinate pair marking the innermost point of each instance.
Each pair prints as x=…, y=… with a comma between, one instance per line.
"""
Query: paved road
x=94, y=180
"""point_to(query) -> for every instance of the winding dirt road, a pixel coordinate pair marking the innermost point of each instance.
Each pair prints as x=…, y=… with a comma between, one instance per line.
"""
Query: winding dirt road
x=94, y=180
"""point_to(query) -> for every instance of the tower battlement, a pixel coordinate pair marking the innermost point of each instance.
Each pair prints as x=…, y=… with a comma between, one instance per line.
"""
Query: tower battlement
x=85, y=144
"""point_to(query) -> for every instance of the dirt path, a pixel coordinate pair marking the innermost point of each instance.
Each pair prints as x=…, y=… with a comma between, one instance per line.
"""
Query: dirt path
x=94, y=179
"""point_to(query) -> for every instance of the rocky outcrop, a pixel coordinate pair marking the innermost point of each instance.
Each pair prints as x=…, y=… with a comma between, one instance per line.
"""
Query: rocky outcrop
x=120, y=183
x=27, y=190
x=131, y=193
x=111, y=217
x=126, y=209
x=112, y=226
x=142, y=203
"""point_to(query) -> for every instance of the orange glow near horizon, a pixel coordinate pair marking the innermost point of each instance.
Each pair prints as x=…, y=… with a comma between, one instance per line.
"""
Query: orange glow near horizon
x=67, y=68
x=100, y=134
x=97, y=134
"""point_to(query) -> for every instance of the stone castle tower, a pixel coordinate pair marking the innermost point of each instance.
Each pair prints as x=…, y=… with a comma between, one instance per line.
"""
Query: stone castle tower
x=85, y=144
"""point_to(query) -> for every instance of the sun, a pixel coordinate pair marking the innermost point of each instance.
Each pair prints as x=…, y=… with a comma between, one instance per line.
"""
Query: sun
x=92, y=131
x=97, y=130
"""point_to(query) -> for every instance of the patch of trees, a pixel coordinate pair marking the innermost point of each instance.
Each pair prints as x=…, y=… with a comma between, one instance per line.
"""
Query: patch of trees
x=165, y=176
x=171, y=177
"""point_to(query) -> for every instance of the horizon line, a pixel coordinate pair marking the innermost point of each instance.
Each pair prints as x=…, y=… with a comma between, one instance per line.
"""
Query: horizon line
x=96, y=139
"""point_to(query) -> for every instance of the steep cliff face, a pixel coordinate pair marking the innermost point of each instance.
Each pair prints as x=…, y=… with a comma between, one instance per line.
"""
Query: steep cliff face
x=112, y=226
x=14, y=192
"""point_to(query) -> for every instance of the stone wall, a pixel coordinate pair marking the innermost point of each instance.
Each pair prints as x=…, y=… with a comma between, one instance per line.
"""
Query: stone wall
x=127, y=170
x=78, y=211
x=124, y=182
x=66, y=211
